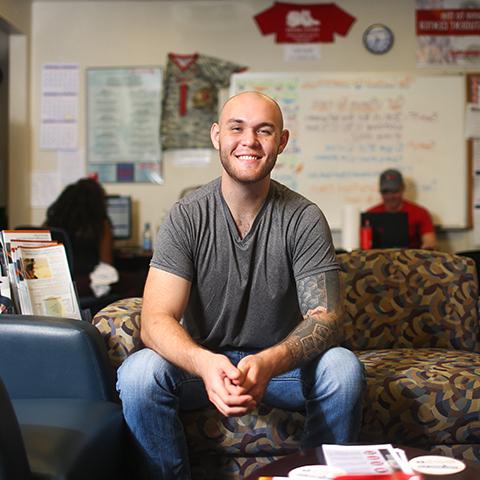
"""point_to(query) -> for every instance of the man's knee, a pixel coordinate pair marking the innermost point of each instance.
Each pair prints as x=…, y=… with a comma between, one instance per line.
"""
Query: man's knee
x=342, y=367
x=139, y=373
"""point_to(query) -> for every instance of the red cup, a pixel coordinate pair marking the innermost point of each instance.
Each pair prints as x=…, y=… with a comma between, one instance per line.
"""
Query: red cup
x=388, y=476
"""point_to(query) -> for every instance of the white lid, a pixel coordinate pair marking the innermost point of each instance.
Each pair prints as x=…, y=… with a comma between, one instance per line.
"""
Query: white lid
x=316, y=472
x=436, y=465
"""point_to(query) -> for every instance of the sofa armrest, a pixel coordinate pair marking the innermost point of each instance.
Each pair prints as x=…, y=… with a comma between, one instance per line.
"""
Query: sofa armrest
x=119, y=325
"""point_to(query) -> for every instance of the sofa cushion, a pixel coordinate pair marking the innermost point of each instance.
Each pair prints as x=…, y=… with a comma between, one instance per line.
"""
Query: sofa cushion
x=410, y=298
x=232, y=448
x=416, y=397
x=265, y=431
x=421, y=397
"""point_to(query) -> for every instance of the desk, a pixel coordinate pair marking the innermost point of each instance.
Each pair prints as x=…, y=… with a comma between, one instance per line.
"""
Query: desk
x=132, y=258
x=314, y=456
x=132, y=264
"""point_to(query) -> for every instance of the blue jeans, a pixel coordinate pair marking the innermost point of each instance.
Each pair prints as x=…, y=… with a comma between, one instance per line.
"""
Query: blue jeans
x=153, y=391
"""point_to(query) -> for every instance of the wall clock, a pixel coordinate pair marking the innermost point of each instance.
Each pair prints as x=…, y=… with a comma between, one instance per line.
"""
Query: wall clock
x=378, y=39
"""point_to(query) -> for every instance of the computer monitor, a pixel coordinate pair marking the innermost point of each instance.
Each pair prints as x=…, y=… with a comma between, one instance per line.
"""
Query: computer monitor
x=119, y=209
x=389, y=229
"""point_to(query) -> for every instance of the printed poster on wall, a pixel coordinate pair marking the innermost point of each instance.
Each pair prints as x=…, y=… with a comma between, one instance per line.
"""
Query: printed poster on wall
x=448, y=33
x=123, y=124
x=300, y=23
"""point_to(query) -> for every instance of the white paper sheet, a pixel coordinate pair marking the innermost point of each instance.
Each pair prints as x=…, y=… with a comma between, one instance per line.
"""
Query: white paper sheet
x=71, y=166
x=300, y=52
x=191, y=157
x=472, y=121
x=45, y=188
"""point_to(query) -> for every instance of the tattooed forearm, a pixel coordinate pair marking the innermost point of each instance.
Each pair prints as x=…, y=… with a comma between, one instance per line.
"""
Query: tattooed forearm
x=320, y=303
x=312, y=293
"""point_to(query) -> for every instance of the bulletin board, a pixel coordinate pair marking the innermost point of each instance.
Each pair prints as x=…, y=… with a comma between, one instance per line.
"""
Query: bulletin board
x=346, y=128
x=123, y=123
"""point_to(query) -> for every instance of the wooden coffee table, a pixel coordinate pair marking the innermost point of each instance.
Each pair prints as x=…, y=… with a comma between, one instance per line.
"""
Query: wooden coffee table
x=314, y=456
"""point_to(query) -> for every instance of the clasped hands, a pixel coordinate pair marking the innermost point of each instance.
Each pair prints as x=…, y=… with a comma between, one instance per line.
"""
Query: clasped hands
x=235, y=391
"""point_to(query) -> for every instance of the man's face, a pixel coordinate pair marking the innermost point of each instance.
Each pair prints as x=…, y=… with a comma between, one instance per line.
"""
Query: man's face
x=393, y=200
x=249, y=137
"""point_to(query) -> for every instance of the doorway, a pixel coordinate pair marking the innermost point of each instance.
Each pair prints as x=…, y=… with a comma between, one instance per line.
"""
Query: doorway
x=4, y=130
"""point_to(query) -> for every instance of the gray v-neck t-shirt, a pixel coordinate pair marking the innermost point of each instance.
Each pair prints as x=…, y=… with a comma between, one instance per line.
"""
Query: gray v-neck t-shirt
x=243, y=293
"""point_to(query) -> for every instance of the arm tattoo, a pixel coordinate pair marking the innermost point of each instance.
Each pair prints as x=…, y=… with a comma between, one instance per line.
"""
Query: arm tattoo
x=321, y=306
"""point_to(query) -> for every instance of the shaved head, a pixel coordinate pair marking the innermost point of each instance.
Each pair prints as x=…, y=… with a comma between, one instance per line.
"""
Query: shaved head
x=245, y=96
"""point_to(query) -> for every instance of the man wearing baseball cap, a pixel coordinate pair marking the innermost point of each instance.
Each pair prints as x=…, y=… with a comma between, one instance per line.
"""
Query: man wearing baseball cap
x=421, y=232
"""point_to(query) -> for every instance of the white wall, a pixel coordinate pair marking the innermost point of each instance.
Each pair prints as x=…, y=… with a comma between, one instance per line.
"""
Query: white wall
x=142, y=33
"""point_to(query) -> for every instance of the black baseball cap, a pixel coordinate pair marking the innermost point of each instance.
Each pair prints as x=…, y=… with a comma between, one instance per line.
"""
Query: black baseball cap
x=391, y=180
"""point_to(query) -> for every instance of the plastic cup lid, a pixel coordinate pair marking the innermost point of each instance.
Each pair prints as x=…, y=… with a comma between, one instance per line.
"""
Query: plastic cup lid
x=436, y=465
x=317, y=472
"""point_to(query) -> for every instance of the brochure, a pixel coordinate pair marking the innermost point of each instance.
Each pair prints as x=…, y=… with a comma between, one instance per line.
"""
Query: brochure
x=6, y=237
x=367, y=459
x=45, y=284
x=38, y=274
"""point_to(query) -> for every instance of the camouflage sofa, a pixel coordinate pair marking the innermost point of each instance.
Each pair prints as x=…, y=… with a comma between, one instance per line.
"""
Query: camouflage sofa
x=413, y=320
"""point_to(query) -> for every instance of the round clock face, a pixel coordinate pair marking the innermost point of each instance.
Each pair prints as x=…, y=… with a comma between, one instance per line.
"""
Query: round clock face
x=378, y=38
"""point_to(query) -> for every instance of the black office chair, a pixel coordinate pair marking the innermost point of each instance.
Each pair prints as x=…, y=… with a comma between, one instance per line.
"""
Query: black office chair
x=59, y=235
x=62, y=388
x=13, y=458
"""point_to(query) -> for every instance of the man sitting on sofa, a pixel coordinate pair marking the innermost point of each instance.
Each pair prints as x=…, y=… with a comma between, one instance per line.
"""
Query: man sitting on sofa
x=242, y=303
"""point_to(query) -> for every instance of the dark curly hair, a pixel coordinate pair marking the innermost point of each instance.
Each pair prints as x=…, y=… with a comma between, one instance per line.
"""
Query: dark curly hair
x=80, y=209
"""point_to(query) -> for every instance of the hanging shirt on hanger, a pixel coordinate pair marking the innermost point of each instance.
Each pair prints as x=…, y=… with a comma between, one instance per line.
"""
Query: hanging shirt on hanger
x=190, y=98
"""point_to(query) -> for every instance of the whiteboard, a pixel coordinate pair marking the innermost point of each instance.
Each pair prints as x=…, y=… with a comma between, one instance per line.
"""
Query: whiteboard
x=346, y=128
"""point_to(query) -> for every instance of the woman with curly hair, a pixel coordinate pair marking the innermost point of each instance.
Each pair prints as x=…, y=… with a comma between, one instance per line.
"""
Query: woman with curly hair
x=81, y=210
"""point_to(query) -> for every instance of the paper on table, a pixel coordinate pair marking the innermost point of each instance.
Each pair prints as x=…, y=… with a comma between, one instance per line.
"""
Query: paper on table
x=365, y=459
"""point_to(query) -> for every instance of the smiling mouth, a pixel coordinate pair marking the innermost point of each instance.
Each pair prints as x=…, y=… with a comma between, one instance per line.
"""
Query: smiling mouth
x=248, y=157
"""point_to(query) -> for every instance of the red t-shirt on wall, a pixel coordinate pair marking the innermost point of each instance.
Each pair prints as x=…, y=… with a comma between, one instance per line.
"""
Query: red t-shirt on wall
x=419, y=221
x=304, y=23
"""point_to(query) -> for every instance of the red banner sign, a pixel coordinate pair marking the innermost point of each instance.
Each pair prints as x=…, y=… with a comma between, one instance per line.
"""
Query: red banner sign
x=448, y=22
